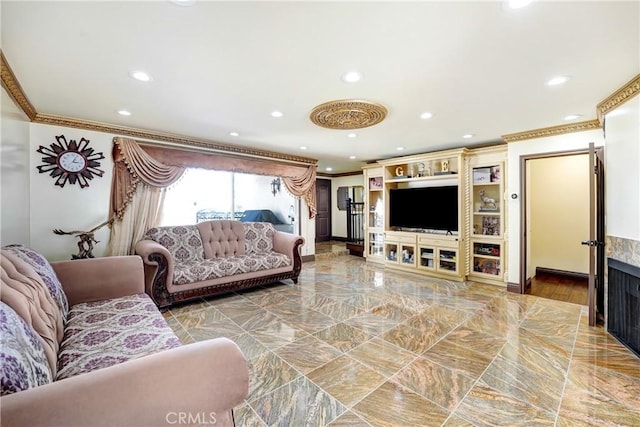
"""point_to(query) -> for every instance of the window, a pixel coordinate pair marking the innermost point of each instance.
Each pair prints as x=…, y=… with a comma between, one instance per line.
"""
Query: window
x=203, y=194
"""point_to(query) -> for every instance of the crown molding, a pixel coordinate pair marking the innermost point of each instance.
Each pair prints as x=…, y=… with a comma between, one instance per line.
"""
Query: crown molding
x=13, y=88
x=552, y=131
x=619, y=97
x=179, y=140
x=338, y=175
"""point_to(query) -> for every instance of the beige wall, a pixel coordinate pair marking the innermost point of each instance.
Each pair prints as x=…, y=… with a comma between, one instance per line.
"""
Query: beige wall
x=338, y=217
x=559, y=213
x=70, y=207
x=567, y=142
x=32, y=206
x=622, y=170
x=14, y=174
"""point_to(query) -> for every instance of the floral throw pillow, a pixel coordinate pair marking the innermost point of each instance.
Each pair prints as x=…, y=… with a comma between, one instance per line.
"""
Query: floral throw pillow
x=22, y=358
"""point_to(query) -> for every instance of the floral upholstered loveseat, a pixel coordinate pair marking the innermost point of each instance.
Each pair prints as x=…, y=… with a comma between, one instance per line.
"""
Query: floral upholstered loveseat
x=83, y=345
x=217, y=256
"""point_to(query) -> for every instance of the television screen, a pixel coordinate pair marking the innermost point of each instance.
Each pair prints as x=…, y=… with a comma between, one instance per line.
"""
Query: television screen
x=427, y=208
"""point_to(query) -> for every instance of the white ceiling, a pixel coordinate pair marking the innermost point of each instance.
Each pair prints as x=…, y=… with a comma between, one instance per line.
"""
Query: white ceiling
x=219, y=67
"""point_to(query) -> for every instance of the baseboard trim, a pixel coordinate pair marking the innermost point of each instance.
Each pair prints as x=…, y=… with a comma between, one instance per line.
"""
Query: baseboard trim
x=513, y=287
x=564, y=273
x=355, y=249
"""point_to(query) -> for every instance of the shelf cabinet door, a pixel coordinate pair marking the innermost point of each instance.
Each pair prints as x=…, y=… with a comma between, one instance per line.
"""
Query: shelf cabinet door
x=376, y=245
x=486, y=201
x=407, y=256
x=376, y=209
x=391, y=252
x=448, y=261
x=427, y=258
x=374, y=219
x=487, y=217
x=487, y=259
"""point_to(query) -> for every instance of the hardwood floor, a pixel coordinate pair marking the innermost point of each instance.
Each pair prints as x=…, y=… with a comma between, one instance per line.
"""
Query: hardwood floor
x=560, y=288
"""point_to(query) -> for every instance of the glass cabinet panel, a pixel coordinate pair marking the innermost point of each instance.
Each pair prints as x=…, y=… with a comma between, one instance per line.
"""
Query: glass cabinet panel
x=407, y=256
x=391, y=251
x=427, y=258
x=448, y=260
x=376, y=244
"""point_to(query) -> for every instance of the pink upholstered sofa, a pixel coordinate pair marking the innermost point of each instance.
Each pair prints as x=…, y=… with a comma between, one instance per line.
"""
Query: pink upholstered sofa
x=83, y=345
x=217, y=256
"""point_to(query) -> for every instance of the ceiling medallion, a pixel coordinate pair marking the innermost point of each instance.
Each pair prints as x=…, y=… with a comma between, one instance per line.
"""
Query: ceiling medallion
x=348, y=114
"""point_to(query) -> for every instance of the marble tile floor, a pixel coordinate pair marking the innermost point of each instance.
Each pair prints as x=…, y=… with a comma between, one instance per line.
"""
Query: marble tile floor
x=330, y=249
x=354, y=344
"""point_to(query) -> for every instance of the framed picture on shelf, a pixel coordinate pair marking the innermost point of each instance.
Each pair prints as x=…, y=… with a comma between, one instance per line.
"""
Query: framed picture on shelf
x=495, y=174
x=375, y=183
x=490, y=225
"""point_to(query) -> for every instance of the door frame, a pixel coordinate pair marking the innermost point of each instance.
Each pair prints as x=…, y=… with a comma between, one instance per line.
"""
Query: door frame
x=525, y=285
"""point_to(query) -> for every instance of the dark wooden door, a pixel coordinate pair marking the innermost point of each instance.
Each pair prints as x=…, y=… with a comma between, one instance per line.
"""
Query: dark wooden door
x=596, y=235
x=323, y=215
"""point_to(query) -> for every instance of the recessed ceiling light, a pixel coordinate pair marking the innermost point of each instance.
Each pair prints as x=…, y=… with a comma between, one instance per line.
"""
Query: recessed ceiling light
x=303, y=148
x=467, y=135
x=328, y=168
x=399, y=148
x=141, y=76
x=426, y=115
x=277, y=113
x=558, y=80
x=352, y=135
x=352, y=77
x=572, y=116
x=124, y=113
x=352, y=157
x=234, y=133
x=517, y=4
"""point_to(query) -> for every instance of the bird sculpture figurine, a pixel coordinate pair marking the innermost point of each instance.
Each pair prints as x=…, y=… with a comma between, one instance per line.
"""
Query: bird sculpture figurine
x=87, y=239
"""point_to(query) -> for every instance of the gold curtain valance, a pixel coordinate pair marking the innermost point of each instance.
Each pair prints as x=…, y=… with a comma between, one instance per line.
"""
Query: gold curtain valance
x=132, y=165
x=161, y=167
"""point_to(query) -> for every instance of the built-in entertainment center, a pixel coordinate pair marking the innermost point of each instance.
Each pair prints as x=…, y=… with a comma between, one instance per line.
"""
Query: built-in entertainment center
x=439, y=213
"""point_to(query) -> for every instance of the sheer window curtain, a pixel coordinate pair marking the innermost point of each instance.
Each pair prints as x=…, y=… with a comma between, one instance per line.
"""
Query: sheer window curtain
x=144, y=212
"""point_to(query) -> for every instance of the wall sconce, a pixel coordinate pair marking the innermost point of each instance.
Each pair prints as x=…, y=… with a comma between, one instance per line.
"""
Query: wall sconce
x=275, y=186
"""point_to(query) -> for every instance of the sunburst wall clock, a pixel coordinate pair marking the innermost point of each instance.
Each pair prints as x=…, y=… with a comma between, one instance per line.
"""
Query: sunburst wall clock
x=70, y=161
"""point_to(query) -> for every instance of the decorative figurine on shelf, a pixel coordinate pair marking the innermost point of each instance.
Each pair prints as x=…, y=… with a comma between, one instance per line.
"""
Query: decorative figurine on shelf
x=444, y=166
x=411, y=170
x=488, y=203
x=87, y=239
x=421, y=171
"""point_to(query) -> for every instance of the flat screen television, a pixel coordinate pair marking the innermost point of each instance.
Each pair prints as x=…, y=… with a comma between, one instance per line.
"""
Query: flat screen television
x=425, y=208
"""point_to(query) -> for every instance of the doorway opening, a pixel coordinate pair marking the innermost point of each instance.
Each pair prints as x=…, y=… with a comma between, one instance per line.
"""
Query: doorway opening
x=556, y=206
